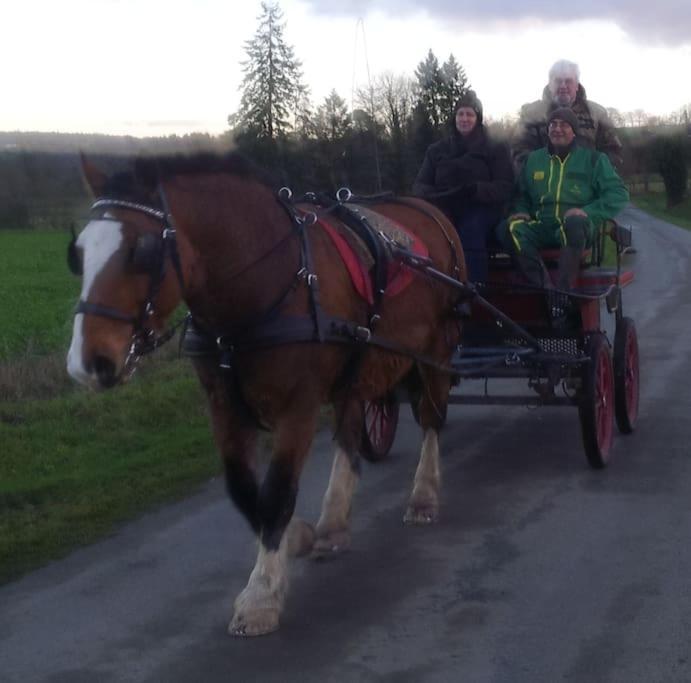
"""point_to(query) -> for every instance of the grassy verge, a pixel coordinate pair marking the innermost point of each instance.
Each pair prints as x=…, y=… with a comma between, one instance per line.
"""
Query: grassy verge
x=656, y=204
x=75, y=466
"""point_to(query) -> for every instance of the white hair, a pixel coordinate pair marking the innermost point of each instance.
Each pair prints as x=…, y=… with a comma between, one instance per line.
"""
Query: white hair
x=564, y=68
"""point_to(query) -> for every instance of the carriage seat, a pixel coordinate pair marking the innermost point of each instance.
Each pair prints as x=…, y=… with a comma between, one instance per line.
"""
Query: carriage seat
x=551, y=257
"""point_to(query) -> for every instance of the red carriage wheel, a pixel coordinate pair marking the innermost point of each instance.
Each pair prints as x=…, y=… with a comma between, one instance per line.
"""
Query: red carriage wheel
x=596, y=406
x=381, y=420
x=626, y=375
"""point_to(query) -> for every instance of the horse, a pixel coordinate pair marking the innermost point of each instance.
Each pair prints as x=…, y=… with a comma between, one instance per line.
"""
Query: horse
x=285, y=330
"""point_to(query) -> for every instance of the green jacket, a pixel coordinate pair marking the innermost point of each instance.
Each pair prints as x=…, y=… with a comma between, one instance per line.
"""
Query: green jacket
x=586, y=179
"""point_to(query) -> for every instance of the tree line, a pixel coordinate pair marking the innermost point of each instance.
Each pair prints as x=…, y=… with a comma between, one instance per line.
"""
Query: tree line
x=375, y=144
x=381, y=142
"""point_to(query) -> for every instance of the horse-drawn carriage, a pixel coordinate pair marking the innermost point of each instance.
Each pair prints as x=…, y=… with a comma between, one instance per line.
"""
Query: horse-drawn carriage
x=510, y=333
x=284, y=323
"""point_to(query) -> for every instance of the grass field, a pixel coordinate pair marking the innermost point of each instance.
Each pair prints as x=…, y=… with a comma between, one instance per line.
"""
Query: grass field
x=37, y=292
x=74, y=464
x=73, y=467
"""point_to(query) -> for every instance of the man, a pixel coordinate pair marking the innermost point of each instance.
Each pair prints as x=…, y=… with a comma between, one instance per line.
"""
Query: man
x=564, y=90
x=565, y=192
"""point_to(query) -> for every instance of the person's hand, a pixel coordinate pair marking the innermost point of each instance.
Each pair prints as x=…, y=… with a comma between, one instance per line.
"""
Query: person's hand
x=518, y=217
x=467, y=191
x=575, y=211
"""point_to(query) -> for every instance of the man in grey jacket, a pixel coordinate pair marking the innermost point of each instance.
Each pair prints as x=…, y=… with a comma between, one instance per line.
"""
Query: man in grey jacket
x=595, y=130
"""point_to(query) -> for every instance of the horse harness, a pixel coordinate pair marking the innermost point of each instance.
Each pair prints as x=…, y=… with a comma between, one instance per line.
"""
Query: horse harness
x=269, y=328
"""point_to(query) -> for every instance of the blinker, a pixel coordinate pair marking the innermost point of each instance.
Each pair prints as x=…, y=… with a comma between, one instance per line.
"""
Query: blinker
x=146, y=255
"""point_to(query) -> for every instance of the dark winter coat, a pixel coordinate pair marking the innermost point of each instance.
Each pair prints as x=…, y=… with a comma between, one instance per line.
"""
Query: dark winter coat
x=478, y=168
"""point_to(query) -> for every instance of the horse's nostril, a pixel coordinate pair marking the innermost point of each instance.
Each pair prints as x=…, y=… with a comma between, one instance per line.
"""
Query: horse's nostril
x=105, y=371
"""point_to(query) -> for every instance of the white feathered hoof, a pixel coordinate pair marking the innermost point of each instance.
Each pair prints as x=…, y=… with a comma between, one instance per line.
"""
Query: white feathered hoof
x=255, y=614
x=420, y=514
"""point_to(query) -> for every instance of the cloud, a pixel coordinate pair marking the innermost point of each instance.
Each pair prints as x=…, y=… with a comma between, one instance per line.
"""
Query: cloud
x=662, y=21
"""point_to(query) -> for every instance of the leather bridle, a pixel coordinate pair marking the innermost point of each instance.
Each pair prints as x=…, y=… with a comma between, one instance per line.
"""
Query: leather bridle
x=144, y=338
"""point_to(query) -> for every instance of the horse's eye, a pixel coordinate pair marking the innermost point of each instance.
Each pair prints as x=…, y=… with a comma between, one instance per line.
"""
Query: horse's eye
x=74, y=262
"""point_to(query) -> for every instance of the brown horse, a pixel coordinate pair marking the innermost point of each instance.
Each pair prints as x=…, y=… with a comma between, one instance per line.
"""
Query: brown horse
x=246, y=261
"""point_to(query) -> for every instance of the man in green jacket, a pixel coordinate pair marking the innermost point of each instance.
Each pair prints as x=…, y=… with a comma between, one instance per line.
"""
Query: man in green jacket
x=565, y=191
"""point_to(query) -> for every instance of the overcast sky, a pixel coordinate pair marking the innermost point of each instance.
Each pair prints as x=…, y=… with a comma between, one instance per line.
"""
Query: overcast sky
x=155, y=67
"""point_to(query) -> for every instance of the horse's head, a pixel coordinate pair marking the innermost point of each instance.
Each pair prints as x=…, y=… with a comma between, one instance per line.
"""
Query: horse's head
x=131, y=280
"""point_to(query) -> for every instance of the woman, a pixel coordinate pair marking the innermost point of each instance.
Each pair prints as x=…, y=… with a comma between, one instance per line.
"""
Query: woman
x=470, y=177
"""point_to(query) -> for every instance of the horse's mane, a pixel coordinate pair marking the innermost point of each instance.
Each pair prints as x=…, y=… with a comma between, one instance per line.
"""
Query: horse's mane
x=127, y=185
x=150, y=170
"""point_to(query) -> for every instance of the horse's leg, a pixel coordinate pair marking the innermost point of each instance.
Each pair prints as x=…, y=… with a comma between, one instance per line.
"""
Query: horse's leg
x=423, y=505
x=235, y=439
x=258, y=607
x=333, y=527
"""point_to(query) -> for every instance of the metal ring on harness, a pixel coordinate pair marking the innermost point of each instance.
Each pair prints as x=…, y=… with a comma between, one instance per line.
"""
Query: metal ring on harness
x=310, y=218
x=285, y=193
x=344, y=194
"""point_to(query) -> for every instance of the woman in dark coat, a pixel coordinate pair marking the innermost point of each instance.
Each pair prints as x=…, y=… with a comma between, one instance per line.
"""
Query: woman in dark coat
x=470, y=177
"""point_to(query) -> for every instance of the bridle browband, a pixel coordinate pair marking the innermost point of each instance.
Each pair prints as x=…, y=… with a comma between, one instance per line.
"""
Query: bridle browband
x=144, y=339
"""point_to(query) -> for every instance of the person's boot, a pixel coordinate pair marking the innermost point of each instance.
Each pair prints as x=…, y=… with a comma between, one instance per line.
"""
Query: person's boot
x=569, y=265
x=534, y=271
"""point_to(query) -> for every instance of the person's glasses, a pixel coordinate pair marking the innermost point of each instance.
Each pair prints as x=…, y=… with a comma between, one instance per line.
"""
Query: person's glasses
x=559, y=124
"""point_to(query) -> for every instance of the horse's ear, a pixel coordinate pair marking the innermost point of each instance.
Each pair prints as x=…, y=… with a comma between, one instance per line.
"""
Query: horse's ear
x=94, y=178
x=146, y=174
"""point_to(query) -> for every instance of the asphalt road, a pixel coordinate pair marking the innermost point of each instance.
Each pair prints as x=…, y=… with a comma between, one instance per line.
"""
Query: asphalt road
x=539, y=569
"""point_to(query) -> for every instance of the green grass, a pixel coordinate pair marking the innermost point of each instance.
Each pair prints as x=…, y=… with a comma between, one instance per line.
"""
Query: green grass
x=656, y=204
x=73, y=467
x=37, y=293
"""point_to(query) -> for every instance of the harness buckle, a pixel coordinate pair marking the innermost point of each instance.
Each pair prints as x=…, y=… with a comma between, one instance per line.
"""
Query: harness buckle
x=168, y=233
x=312, y=279
x=363, y=334
x=285, y=193
x=344, y=194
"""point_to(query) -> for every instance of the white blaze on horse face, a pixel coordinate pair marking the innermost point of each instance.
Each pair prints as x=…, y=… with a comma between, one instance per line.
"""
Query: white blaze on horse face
x=99, y=240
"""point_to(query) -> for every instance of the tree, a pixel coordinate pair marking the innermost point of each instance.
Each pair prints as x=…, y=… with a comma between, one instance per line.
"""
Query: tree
x=439, y=88
x=454, y=84
x=430, y=89
x=671, y=160
x=273, y=95
x=333, y=120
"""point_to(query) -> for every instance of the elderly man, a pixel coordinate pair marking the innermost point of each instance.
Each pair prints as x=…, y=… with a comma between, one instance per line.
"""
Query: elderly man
x=564, y=90
x=565, y=191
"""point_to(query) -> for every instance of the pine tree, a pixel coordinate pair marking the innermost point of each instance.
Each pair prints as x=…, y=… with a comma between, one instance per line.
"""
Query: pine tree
x=430, y=88
x=273, y=94
x=454, y=84
x=333, y=121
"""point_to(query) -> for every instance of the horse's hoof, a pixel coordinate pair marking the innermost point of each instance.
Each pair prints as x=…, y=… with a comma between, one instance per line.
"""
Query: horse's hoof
x=257, y=623
x=301, y=537
x=330, y=545
x=421, y=514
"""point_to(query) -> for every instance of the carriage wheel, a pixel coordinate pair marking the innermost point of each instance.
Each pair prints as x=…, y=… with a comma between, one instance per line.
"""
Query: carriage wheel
x=381, y=420
x=596, y=407
x=626, y=375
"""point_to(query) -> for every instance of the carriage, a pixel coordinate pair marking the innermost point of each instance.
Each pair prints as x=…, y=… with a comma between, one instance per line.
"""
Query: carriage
x=284, y=323
x=587, y=360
